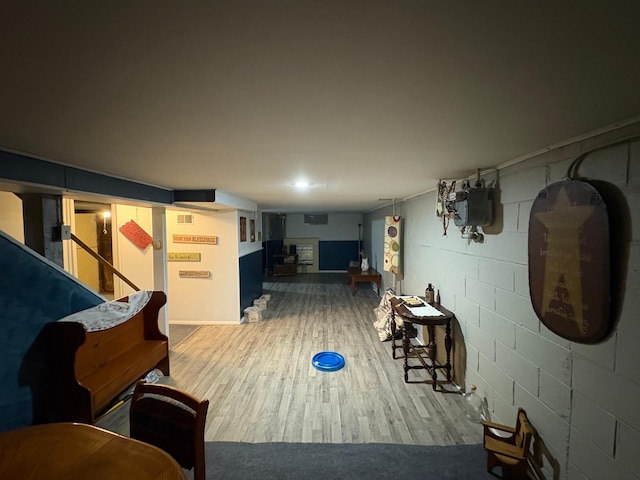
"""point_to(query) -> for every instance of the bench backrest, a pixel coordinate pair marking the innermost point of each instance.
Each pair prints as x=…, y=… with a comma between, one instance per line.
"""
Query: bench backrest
x=103, y=346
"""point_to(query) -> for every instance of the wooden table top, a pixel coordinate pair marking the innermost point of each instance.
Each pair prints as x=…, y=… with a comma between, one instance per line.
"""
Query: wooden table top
x=73, y=451
x=401, y=309
x=358, y=272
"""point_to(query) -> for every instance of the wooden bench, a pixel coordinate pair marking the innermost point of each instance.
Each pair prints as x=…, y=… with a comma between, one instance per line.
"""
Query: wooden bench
x=74, y=374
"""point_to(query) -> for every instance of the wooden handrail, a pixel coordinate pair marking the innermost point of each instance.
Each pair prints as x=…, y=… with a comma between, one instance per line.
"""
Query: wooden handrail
x=103, y=261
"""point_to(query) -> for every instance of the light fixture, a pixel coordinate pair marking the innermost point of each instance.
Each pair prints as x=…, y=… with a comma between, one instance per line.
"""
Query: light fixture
x=105, y=215
x=301, y=184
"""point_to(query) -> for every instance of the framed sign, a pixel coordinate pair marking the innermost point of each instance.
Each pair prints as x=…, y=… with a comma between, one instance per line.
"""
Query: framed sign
x=243, y=229
x=569, y=261
x=252, y=224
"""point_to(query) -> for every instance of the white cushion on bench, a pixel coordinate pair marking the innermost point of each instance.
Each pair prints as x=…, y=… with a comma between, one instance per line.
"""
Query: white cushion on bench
x=109, y=314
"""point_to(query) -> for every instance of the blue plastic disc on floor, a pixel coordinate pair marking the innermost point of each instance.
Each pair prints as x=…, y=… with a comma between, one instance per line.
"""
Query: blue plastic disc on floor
x=328, y=361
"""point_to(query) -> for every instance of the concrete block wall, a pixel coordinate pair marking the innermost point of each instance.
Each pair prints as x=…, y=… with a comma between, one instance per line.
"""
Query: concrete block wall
x=583, y=399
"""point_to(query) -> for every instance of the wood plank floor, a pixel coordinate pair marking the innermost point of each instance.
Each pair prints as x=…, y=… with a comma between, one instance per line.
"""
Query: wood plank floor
x=262, y=387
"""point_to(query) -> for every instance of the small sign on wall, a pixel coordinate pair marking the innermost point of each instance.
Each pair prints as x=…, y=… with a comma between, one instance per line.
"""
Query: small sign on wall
x=136, y=234
x=199, y=239
x=183, y=257
x=194, y=273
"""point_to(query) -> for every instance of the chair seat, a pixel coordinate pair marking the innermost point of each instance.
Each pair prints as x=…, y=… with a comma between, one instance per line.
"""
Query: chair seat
x=502, y=448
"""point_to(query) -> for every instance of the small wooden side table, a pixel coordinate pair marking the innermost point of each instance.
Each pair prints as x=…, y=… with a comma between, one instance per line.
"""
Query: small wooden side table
x=425, y=354
x=357, y=275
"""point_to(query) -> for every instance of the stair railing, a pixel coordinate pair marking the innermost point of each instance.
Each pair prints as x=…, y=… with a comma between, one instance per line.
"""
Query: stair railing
x=103, y=261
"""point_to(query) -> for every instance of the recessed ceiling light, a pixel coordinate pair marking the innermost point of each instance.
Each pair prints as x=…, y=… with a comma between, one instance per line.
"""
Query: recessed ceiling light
x=301, y=184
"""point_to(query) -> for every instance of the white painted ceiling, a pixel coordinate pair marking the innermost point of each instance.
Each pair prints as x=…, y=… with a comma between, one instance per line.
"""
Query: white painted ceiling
x=364, y=99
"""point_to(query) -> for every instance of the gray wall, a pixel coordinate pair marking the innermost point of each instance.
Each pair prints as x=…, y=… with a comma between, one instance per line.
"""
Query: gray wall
x=583, y=399
x=340, y=226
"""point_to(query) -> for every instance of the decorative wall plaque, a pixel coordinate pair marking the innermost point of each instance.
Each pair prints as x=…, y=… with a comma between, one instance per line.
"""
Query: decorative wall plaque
x=569, y=261
x=243, y=229
x=199, y=239
x=194, y=273
x=136, y=234
x=392, y=229
x=183, y=257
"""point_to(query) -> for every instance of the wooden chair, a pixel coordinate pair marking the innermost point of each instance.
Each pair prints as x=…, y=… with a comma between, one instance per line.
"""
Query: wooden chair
x=172, y=420
x=508, y=447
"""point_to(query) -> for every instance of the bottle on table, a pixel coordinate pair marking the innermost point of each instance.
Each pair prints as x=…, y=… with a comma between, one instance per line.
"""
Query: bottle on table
x=428, y=294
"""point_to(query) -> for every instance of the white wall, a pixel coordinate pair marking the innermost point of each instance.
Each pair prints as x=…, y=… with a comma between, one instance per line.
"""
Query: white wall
x=583, y=399
x=11, y=220
x=134, y=263
x=214, y=300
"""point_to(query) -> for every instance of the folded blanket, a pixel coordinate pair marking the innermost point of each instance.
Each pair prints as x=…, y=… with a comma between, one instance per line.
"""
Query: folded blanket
x=384, y=316
x=109, y=314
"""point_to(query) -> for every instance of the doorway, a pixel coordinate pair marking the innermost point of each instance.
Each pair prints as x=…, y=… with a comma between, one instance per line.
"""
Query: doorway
x=94, y=227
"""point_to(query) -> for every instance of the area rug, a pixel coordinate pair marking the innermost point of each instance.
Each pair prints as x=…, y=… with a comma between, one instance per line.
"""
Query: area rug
x=330, y=461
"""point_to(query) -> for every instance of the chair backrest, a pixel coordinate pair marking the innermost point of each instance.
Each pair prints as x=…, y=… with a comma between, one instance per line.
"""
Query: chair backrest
x=172, y=420
x=524, y=431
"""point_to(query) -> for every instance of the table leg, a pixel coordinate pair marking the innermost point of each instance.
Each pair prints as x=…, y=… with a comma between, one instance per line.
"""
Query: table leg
x=447, y=346
x=431, y=349
x=378, y=286
x=353, y=285
x=393, y=334
x=405, y=349
x=431, y=344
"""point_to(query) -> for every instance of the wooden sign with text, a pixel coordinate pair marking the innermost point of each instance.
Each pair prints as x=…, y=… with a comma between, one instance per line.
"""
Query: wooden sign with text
x=194, y=273
x=136, y=234
x=569, y=261
x=198, y=239
x=183, y=257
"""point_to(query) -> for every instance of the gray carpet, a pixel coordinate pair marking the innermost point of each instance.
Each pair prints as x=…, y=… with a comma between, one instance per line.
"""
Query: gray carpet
x=328, y=461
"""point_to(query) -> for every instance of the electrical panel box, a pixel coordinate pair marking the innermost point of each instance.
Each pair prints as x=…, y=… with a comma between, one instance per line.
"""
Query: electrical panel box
x=473, y=207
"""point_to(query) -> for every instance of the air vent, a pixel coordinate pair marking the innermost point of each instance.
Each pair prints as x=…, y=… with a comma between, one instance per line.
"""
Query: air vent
x=185, y=219
x=316, y=219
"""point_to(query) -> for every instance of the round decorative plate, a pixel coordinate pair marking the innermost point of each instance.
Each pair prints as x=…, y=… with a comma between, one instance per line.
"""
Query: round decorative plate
x=327, y=361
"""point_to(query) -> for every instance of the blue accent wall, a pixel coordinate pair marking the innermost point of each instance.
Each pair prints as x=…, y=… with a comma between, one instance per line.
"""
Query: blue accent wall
x=269, y=248
x=33, y=292
x=336, y=255
x=250, y=279
x=22, y=168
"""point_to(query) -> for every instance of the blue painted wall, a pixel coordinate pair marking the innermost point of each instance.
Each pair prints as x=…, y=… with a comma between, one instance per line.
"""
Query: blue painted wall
x=22, y=168
x=250, y=279
x=269, y=248
x=33, y=292
x=336, y=255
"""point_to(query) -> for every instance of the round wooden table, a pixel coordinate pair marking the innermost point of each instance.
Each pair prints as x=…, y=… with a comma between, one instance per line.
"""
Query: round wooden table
x=73, y=451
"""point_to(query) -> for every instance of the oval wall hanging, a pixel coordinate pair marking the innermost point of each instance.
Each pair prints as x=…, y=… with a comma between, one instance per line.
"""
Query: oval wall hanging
x=569, y=261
